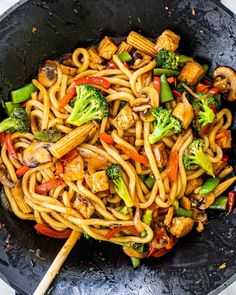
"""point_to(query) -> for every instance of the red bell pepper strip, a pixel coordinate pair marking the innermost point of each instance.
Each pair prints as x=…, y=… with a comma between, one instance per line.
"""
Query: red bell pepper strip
x=153, y=249
x=49, y=232
x=171, y=80
x=202, y=88
x=10, y=148
x=171, y=242
x=157, y=84
x=214, y=91
x=176, y=93
x=205, y=129
x=111, y=65
x=67, y=98
x=48, y=185
x=222, y=133
x=207, y=82
x=70, y=156
x=173, y=166
x=160, y=252
x=2, y=138
x=22, y=170
x=134, y=155
x=117, y=230
x=107, y=138
x=93, y=80
x=231, y=201
x=225, y=158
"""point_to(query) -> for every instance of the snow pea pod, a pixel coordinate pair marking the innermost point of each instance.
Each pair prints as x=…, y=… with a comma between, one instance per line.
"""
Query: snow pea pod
x=209, y=185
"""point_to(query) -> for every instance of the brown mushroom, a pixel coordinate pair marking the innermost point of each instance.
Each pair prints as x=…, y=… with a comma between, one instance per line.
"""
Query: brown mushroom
x=47, y=74
x=36, y=153
x=225, y=80
x=3, y=177
x=146, y=116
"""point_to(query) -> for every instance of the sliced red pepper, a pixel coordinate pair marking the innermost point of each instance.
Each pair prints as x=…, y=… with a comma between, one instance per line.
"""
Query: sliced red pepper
x=116, y=230
x=161, y=211
x=70, y=156
x=225, y=158
x=126, y=65
x=157, y=84
x=222, y=133
x=134, y=155
x=205, y=129
x=22, y=170
x=48, y=185
x=176, y=93
x=171, y=80
x=49, y=232
x=207, y=82
x=153, y=249
x=160, y=252
x=107, y=138
x=111, y=65
x=231, y=202
x=171, y=242
x=10, y=148
x=173, y=166
x=2, y=138
x=93, y=80
x=202, y=88
x=67, y=98
x=214, y=91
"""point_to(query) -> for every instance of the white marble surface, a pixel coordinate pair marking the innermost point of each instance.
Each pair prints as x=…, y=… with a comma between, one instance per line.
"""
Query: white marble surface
x=4, y=288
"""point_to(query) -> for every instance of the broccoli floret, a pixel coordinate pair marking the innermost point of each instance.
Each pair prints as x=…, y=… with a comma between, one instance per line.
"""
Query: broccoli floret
x=114, y=173
x=194, y=157
x=170, y=60
x=89, y=105
x=140, y=247
x=181, y=89
x=204, y=108
x=18, y=121
x=48, y=135
x=163, y=124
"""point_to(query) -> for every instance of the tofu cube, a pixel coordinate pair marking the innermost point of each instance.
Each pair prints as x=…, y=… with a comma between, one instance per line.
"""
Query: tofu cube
x=125, y=118
x=191, y=72
x=167, y=40
x=95, y=59
x=107, y=48
x=97, y=182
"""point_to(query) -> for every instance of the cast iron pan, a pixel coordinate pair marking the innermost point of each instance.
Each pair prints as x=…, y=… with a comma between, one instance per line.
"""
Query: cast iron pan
x=100, y=268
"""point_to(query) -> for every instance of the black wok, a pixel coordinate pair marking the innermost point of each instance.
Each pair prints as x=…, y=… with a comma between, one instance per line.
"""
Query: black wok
x=100, y=268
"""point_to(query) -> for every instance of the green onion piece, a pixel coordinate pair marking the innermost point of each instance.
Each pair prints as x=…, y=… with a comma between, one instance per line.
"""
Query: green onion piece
x=125, y=56
x=176, y=204
x=149, y=181
x=167, y=72
x=143, y=234
x=205, y=67
x=209, y=185
x=220, y=204
x=135, y=262
x=183, y=212
x=86, y=235
x=218, y=99
x=147, y=217
x=9, y=107
x=48, y=135
x=166, y=93
x=24, y=93
x=124, y=210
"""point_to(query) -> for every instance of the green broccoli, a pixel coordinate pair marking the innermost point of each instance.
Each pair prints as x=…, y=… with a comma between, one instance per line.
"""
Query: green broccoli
x=163, y=124
x=89, y=105
x=17, y=121
x=194, y=157
x=181, y=89
x=48, y=135
x=141, y=248
x=114, y=173
x=204, y=109
x=170, y=60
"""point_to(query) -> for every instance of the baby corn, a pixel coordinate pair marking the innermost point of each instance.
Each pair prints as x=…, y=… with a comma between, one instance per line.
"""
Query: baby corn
x=141, y=43
x=124, y=47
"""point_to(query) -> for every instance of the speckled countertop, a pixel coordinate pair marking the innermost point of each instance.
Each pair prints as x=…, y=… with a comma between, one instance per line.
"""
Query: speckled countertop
x=4, y=288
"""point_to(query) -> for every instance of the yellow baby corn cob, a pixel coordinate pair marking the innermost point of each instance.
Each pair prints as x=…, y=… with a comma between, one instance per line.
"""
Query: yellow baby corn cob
x=141, y=43
x=18, y=195
x=124, y=47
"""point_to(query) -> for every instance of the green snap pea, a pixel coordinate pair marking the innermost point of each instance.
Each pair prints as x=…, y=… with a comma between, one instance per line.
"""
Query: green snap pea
x=220, y=204
x=149, y=181
x=24, y=93
x=125, y=56
x=166, y=93
x=135, y=262
x=209, y=185
x=183, y=212
x=167, y=72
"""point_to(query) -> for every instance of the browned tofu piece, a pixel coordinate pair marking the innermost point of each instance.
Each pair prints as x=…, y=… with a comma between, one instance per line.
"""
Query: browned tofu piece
x=107, y=48
x=84, y=206
x=167, y=40
x=97, y=182
x=74, y=170
x=191, y=72
x=125, y=118
x=192, y=184
x=160, y=154
x=185, y=203
x=184, y=112
x=226, y=141
x=181, y=226
x=95, y=59
x=68, y=70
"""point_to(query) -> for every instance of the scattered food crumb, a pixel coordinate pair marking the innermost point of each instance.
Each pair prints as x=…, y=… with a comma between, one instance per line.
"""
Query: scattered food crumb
x=193, y=11
x=166, y=8
x=201, y=31
x=38, y=254
x=34, y=30
x=222, y=266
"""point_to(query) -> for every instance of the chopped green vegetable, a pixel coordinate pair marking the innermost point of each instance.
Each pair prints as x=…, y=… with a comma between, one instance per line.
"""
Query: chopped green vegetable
x=24, y=93
x=17, y=121
x=114, y=173
x=166, y=93
x=209, y=185
x=147, y=217
x=140, y=247
x=194, y=157
x=143, y=234
x=86, y=235
x=176, y=204
x=125, y=56
x=205, y=67
x=124, y=210
x=135, y=262
x=170, y=60
x=163, y=124
x=167, y=72
x=220, y=203
x=89, y=105
x=9, y=107
x=48, y=135
x=183, y=212
x=182, y=89
x=149, y=181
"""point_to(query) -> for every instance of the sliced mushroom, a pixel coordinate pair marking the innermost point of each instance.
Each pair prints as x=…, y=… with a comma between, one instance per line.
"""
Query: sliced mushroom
x=3, y=177
x=225, y=80
x=152, y=94
x=47, y=74
x=146, y=116
x=36, y=153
